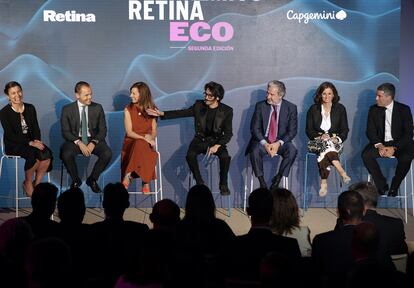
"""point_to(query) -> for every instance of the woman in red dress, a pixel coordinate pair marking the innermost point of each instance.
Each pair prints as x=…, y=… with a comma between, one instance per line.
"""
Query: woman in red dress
x=138, y=157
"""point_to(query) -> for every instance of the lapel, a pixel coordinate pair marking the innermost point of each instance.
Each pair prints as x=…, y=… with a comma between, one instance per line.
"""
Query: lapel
x=382, y=121
x=219, y=118
x=394, y=120
x=90, y=116
x=282, y=114
x=265, y=115
x=203, y=119
x=76, y=115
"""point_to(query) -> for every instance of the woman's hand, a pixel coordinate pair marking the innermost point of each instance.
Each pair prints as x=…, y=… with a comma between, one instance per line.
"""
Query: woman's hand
x=149, y=139
x=37, y=144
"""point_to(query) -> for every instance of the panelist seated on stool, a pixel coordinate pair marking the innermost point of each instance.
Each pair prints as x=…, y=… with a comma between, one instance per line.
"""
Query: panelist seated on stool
x=273, y=127
x=390, y=134
x=84, y=129
x=327, y=130
x=213, y=130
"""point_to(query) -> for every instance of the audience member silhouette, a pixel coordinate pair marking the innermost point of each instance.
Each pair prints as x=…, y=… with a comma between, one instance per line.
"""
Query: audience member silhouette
x=48, y=264
x=15, y=237
x=278, y=270
x=247, y=251
x=157, y=265
x=391, y=229
x=369, y=269
x=285, y=220
x=331, y=251
x=43, y=204
x=71, y=209
x=116, y=240
x=202, y=238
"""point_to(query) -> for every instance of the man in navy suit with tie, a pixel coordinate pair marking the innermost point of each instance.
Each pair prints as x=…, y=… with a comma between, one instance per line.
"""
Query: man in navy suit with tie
x=274, y=125
x=84, y=129
x=390, y=134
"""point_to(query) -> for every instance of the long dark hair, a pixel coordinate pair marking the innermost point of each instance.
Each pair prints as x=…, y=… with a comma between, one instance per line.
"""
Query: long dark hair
x=145, y=98
x=318, y=95
x=285, y=216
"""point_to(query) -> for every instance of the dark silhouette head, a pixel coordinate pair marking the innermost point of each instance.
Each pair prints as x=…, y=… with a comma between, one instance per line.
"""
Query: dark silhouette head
x=350, y=207
x=200, y=206
x=115, y=201
x=368, y=192
x=44, y=200
x=165, y=213
x=285, y=215
x=260, y=206
x=71, y=206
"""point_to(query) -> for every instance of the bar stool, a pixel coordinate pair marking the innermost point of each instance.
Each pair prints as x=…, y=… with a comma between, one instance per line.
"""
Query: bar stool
x=305, y=185
x=208, y=163
x=285, y=181
x=16, y=159
x=158, y=182
x=405, y=196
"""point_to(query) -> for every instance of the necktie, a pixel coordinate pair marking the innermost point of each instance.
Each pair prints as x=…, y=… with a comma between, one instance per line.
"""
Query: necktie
x=273, y=125
x=84, y=127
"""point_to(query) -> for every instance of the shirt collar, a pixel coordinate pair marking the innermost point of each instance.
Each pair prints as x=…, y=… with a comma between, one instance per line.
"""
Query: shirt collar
x=390, y=106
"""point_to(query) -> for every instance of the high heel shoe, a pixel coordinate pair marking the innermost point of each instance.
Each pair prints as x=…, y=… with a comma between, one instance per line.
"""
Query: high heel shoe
x=324, y=189
x=146, y=189
x=126, y=181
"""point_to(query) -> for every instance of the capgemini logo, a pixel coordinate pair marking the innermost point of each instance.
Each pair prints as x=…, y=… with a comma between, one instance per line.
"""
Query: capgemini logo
x=341, y=15
x=306, y=17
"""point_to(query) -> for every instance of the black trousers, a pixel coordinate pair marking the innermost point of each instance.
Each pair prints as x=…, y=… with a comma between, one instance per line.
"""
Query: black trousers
x=197, y=146
x=404, y=157
x=69, y=150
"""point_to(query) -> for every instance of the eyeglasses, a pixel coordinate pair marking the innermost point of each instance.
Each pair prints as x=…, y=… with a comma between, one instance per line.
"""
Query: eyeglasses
x=209, y=95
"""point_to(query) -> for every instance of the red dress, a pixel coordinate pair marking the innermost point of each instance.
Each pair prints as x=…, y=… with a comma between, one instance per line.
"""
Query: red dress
x=137, y=155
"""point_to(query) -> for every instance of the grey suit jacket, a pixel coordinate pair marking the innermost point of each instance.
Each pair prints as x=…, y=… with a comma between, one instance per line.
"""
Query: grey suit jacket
x=70, y=122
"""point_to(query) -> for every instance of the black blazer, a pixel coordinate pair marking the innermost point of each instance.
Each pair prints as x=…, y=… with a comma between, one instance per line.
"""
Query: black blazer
x=13, y=134
x=247, y=251
x=391, y=229
x=287, y=125
x=339, y=121
x=223, y=122
x=401, y=125
x=70, y=122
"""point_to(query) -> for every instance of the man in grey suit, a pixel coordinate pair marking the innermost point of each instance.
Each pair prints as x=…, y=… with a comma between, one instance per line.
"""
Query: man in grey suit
x=84, y=129
x=274, y=125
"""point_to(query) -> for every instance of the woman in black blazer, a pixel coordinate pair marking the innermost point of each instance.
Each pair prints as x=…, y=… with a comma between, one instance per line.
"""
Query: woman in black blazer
x=327, y=129
x=22, y=136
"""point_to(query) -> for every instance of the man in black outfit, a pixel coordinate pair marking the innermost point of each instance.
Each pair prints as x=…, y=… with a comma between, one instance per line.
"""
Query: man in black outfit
x=390, y=134
x=213, y=130
x=84, y=129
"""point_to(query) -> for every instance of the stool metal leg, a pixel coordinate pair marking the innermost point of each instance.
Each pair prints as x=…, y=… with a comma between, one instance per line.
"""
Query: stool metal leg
x=17, y=186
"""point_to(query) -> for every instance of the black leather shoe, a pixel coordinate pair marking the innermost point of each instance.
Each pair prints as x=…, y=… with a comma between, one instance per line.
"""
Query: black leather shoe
x=224, y=190
x=94, y=185
x=384, y=190
x=76, y=184
x=275, y=182
x=393, y=192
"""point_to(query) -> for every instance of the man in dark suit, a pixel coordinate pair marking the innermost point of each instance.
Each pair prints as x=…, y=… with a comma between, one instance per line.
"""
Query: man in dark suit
x=84, y=129
x=247, y=251
x=332, y=250
x=391, y=230
x=274, y=125
x=390, y=134
x=213, y=130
